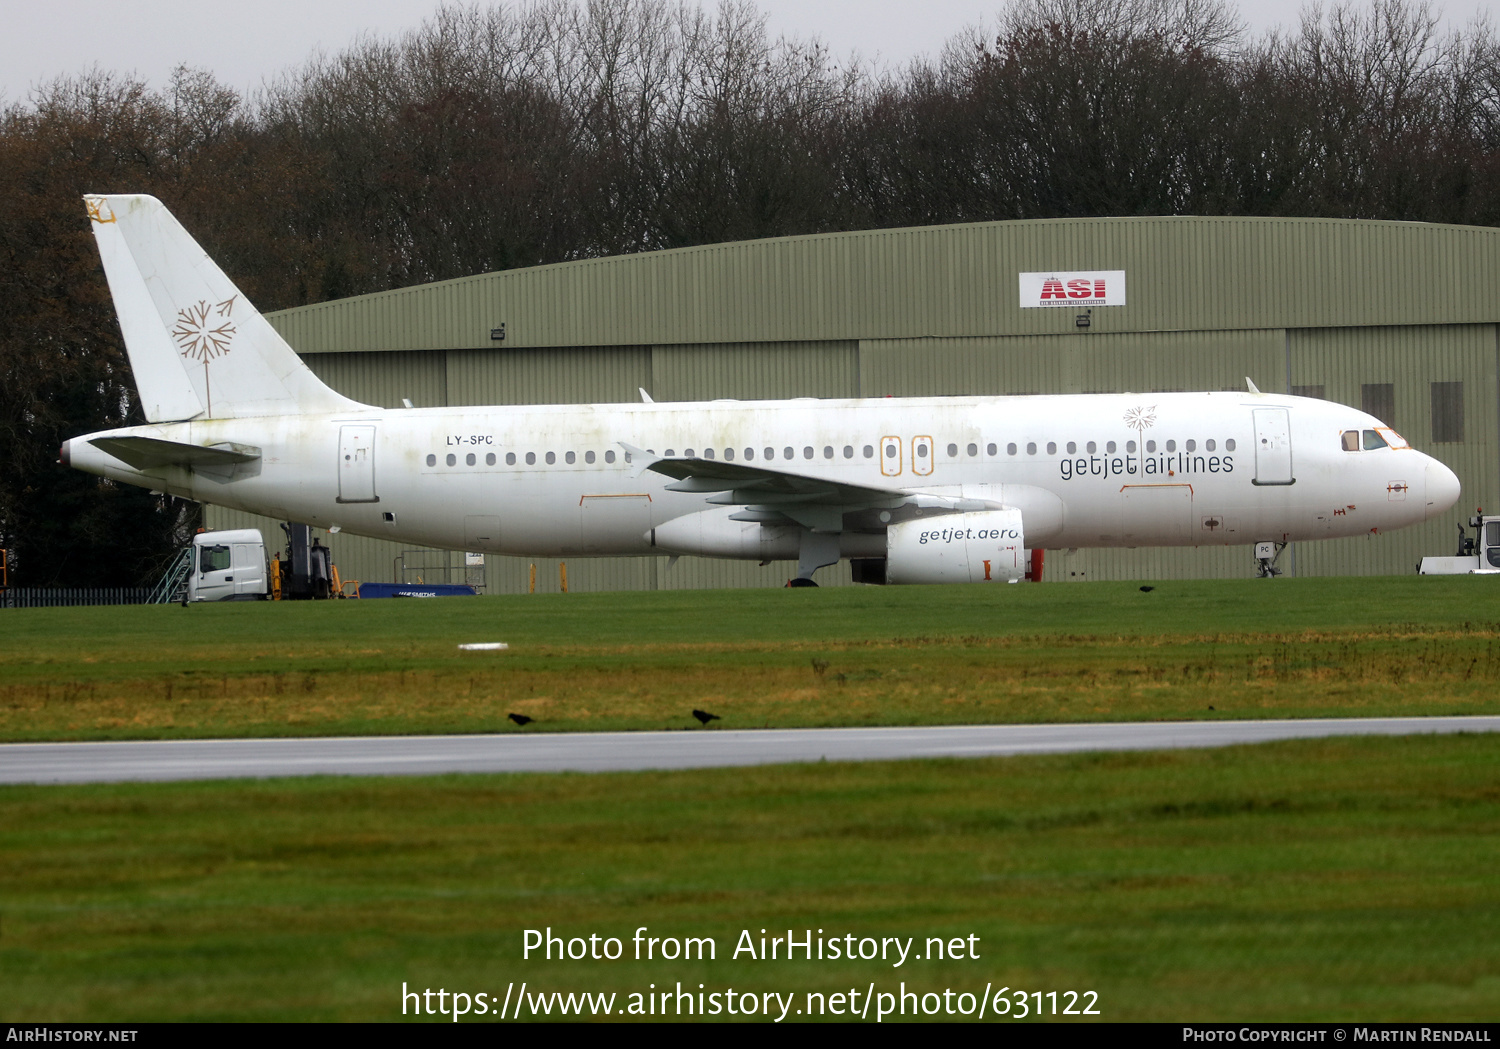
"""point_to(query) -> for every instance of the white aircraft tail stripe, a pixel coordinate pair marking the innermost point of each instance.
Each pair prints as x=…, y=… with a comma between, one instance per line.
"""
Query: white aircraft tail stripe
x=197, y=347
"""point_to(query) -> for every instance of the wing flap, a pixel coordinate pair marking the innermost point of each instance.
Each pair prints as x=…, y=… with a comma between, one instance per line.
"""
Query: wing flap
x=762, y=486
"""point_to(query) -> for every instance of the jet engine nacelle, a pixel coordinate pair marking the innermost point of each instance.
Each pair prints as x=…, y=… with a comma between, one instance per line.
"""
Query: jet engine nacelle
x=980, y=547
x=712, y=533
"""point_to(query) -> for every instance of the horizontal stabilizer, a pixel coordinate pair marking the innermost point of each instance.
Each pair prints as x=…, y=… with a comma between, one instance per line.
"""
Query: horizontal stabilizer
x=143, y=453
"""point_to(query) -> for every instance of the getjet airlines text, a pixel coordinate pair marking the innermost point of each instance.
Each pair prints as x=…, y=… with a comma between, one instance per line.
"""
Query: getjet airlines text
x=1152, y=466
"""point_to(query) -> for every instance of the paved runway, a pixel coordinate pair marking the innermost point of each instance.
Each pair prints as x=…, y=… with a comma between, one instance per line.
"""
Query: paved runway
x=607, y=751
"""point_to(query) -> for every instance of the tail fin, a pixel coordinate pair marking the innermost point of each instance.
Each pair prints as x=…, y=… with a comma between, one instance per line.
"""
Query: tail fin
x=197, y=346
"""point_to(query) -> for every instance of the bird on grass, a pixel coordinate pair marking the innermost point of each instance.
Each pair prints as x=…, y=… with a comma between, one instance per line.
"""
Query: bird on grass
x=704, y=717
x=1147, y=589
x=520, y=719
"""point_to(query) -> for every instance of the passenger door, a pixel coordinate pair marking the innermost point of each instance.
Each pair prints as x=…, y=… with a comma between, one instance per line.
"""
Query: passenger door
x=1273, y=447
x=357, y=464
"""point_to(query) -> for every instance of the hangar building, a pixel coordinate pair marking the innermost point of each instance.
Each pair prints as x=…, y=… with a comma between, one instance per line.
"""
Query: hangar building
x=1400, y=319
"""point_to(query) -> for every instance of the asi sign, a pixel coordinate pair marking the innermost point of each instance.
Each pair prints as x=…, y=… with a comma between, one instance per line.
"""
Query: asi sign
x=1089, y=288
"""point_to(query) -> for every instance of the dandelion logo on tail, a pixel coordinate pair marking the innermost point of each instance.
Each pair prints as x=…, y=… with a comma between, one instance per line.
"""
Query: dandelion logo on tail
x=205, y=331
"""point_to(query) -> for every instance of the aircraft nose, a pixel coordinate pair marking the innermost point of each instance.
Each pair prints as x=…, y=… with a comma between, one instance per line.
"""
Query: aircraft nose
x=1442, y=488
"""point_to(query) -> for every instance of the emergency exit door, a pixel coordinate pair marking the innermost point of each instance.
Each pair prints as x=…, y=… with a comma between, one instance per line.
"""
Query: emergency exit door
x=357, y=464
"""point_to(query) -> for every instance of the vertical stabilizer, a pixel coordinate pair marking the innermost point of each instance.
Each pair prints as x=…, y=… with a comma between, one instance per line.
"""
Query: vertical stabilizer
x=197, y=347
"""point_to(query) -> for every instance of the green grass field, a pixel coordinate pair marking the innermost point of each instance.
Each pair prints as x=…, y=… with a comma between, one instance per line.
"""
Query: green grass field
x=1309, y=880
x=858, y=656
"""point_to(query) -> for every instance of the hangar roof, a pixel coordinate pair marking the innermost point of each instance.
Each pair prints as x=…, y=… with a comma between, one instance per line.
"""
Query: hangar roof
x=1182, y=273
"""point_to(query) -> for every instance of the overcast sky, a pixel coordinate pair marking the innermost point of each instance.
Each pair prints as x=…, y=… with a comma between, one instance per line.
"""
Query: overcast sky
x=247, y=41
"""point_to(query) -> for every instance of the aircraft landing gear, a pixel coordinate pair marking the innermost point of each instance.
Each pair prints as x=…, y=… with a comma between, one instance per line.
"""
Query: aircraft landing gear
x=1266, y=555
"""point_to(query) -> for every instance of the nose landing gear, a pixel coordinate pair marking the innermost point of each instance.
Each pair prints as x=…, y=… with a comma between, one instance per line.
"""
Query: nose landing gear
x=1266, y=555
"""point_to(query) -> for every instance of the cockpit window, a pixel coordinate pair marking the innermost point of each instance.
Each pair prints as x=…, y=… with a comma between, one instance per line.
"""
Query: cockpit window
x=1392, y=438
x=1351, y=440
x=1374, y=440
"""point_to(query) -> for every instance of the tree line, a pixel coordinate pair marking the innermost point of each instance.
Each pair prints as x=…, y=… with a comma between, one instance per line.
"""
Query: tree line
x=492, y=138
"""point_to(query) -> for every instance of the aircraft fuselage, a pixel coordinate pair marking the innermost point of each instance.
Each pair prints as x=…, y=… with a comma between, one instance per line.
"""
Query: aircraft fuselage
x=1126, y=470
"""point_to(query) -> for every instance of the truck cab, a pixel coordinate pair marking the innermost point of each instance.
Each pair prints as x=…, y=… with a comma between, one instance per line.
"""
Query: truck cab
x=228, y=566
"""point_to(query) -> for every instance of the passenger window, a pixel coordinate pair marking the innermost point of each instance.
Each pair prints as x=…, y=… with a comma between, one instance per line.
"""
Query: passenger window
x=1171, y=446
x=869, y=451
x=510, y=458
x=1010, y=449
x=1130, y=446
x=1191, y=446
x=609, y=456
x=1030, y=447
x=1351, y=440
x=452, y=459
x=729, y=455
x=688, y=452
x=1374, y=440
x=1229, y=444
x=1150, y=446
x=213, y=559
x=571, y=458
x=1209, y=444
x=531, y=458
x=432, y=460
x=588, y=457
x=807, y=452
x=708, y=453
x=1051, y=447
x=973, y=450
x=489, y=459
x=828, y=451
x=953, y=451
x=992, y=448
x=469, y=459
x=1091, y=447
x=786, y=453
x=770, y=453
x=1110, y=448
x=1072, y=447
x=749, y=454
x=848, y=451
x=551, y=458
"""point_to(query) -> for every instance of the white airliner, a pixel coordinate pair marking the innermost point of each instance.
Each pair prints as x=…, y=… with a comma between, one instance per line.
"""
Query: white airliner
x=933, y=489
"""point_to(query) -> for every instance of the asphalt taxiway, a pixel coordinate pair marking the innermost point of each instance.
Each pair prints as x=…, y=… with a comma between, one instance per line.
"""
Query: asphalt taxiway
x=625, y=751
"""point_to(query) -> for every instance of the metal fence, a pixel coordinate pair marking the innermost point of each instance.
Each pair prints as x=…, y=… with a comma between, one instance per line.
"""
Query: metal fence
x=58, y=597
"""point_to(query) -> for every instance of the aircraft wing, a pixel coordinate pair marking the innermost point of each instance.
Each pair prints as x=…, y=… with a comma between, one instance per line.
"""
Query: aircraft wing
x=768, y=495
x=145, y=452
